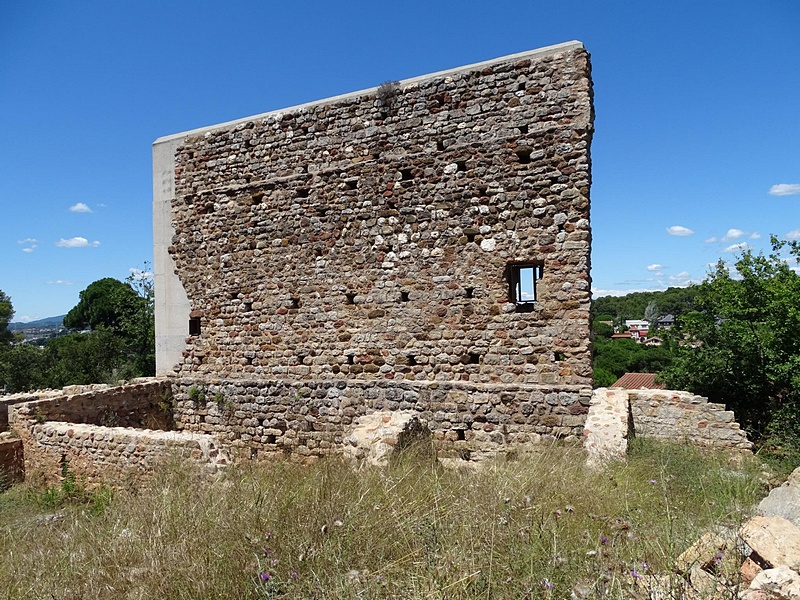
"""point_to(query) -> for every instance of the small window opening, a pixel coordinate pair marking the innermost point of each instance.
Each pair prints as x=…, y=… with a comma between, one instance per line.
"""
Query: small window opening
x=391, y=204
x=257, y=198
x=522, y=280
x=460, y=435
x=412, y=360
x=300, y=358
x=351, y=184
x=317, y=252
x=194, y=326
x=462, y=165
x=403, y=296
x=561, y=228
x=558, y=356
x=302, y=192
x=270, y=438
x=350, y=297
x=440, y=145
x=482, y=191
x=248, y=306
x=406, y=174
x=295, y=303
x=524, y=155
x=470, y=233
x=521, y=87
x=523, y=128
x=469, y=292
x=351, y=359
x=249, y=360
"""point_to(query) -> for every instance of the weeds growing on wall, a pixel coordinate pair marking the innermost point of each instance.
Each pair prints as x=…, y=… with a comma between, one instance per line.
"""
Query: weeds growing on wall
x=542, y=527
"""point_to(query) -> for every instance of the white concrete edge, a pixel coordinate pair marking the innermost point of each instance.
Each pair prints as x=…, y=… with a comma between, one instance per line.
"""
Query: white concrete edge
x=537, y=53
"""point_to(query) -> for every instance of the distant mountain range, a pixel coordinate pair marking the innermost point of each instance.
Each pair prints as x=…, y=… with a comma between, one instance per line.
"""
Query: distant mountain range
x=48, y=323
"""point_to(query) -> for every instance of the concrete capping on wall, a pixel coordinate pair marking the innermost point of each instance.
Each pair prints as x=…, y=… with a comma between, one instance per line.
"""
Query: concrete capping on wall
x=529, y=54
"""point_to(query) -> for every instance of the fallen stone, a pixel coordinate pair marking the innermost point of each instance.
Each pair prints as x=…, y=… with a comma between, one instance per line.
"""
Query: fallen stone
x=780, y=583
x=749, y=570
x=783, y=502
x=714, y=551
x=775, y=539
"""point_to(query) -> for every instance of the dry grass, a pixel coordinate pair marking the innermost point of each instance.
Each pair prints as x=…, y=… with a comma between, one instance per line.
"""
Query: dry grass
x=541, y=527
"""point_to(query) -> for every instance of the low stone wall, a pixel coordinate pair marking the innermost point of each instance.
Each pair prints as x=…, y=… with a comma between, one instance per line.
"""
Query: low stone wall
x=313, y=418
x=99, y=454
x=615, y=415
x=145, y=403
x=12, y=465
x=672, y=415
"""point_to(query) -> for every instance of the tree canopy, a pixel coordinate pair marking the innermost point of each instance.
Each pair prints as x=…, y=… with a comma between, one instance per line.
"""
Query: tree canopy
x=6, y=314
x=741, y=344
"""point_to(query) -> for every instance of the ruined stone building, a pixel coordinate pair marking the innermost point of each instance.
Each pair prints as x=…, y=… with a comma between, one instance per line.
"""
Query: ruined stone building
x=420, y=247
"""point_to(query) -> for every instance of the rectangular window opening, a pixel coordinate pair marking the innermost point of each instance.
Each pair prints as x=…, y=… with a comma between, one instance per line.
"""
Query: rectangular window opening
x=194, y=326
x=522, y=282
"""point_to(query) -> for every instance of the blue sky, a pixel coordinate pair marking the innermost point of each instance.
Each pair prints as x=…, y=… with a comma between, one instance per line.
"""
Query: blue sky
x=698, y=116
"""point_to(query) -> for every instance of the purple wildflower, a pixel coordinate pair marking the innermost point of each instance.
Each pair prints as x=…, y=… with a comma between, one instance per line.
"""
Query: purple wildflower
x=265, y=576
x=266, y=552
x=548, y=585
x=635, y=574
x=718, y=557
x=645, y=566
x=603, y=539
x=293, y=576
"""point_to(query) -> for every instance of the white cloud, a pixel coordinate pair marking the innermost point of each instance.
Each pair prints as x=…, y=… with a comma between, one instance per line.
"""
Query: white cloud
x=76, y=242
x=24, y=319
x=679, y=230
x=736, y=247
x=785, y=189
x=654, y=267
x=80, y=207
x=139, y=274
x=755, y=236
x=596, y=293
x=31, y=244
x=733, y=234
x=794, y=234
x=59, y=282
x=711, y=240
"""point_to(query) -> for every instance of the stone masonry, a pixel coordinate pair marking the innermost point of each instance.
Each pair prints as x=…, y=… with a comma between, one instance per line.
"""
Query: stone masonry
x=386, y=239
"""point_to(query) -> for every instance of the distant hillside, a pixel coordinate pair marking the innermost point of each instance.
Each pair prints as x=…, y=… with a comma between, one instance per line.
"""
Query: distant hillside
x=48, y=323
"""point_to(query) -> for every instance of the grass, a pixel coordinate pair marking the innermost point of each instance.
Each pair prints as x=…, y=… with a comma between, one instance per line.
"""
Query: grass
x=539, y=527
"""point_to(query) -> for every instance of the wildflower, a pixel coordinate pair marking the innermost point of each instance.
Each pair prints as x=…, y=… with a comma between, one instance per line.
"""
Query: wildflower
x=293, y=575
x=645, y=566
x=635, y=574
x=718, y=557
x=548, y=585
x=653, y=481
x=267, y=534
x=603, y=539
x=265, y=552
x=273, y=562
x=265, y=576
x=558, y=512
x=569, y=508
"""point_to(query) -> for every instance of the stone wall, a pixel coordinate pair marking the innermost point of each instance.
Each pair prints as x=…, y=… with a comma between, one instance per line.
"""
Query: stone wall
x=143, y=403
x=12, y=462
x=313, y=418
x=676, y=415
x=113, y=455
x=371, y=236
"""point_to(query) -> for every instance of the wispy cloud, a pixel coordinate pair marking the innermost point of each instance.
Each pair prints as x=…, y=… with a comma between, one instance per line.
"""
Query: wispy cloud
x=733, y=234
x=785, y=189
x=80, y=207
x=736, y=247
x=755, y=236
x=794, y=234
x=30, y=244
x=679, y=230
x=654, y=267
x=596, y=293
x=76, y=242
x=59, y=282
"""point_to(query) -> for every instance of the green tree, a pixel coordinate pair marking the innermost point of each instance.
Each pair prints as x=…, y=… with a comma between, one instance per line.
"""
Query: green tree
x=741, y=346
x=6, y=314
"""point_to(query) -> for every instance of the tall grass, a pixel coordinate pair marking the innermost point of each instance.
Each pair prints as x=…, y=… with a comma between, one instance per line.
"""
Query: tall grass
x=539, y=527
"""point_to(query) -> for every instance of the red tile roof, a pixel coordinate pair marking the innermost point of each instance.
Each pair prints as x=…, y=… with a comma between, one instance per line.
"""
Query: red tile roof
x=638, y=381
